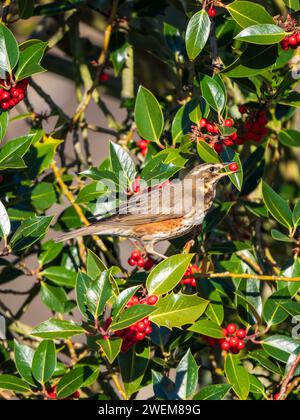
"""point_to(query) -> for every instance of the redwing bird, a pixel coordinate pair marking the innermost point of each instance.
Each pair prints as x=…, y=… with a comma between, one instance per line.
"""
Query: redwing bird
x=162, y=213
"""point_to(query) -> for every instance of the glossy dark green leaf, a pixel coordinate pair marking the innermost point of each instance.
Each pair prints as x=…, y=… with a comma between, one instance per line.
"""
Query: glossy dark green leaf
x=122, y=163
x=9, y=50
x=91, y=192
x=148, y=115
x=290, y=138
x=94, y=265
x=293, y=4
x=111, y=348
x=83, y=283
x=98, y=294
x=131, y=316
x=186, y=380
x=30, y=231
x=13, y=383
x=277, y=206
x=279, y=236
x=236, y=178
x=11, y=153
x=43, y=196
x=167, y=274
x=263, y=34
x=266, y=361
x=3, y=124
x=122, y=299
x=75, y=379
x=280, y=347
x=273, y=312
x=296, y=213
x=208, y=328
x=56, y=328
x=60, y=275
x=54, y=297
x=207, y=153
x=133, y=365
x=247, y=13
x=31, y=54
x=163, y=166
x=237, y=376
x=44, y=361
x=256, y=59
x=176, y=310
x=23, y=360
x=213, y=392
x=213, y=93
x=197, y=34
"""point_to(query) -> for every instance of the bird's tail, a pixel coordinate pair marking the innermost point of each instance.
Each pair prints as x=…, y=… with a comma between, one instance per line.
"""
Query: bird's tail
x=86, y=231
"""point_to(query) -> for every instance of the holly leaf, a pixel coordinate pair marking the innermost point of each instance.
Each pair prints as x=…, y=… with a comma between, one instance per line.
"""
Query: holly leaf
x=31, y=54
x=176, y=310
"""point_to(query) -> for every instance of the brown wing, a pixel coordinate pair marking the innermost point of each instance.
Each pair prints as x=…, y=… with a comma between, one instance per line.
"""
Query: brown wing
x=166, y=203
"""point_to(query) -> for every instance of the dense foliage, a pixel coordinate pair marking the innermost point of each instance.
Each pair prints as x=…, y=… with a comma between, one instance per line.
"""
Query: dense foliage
x=198, y=81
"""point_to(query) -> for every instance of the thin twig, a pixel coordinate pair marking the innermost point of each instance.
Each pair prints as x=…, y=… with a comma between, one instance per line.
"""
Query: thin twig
x=288, y=378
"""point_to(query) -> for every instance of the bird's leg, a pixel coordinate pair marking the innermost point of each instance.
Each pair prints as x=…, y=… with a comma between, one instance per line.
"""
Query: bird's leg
x=150, y=250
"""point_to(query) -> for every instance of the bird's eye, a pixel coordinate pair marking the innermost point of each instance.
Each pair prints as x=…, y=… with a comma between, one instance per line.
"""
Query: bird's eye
x=212, y=169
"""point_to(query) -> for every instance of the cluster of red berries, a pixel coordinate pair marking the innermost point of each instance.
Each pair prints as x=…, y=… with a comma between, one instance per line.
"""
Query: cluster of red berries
x=291, y=41
x=13, y=94
x=254, y=128
x=138, y=260
x=190, y=280
x=143, y=146
x=234, y=339
x=212, y=11
x=52, y=394
x=209, y=131
x=139, y=330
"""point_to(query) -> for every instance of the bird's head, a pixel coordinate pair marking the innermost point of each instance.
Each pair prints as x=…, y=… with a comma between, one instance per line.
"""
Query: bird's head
x=211, y=173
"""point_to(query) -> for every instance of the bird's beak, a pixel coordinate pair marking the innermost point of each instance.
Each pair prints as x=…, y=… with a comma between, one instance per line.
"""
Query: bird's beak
x=225, y=166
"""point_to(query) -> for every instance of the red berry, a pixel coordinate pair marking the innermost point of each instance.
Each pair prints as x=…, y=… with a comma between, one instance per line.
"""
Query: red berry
x=212, y=12
x=76, y=394
x=210, y=127
x=225, y=345
x=148, y=329
x=140, y=336
x=234, y=136
x=5, y=96
x=293, y=40
x=231, y=328
x=152, y=300
x=243, y=109
x=136, y=255
x=241, y=344
x=141, y=326
x=228, y=142
x=218, y=147
x=276, y=396
x=104, y=77
x=148, y=264
x=5, y=106
x=143, y=144
x=203, y=122
x=131, y=262
x=241, y=333
x=233, y=167
x=228, y=123
x=193, y=282
x=233, y=342
x=140, y=263
x=134, y=300
x=52, y=392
